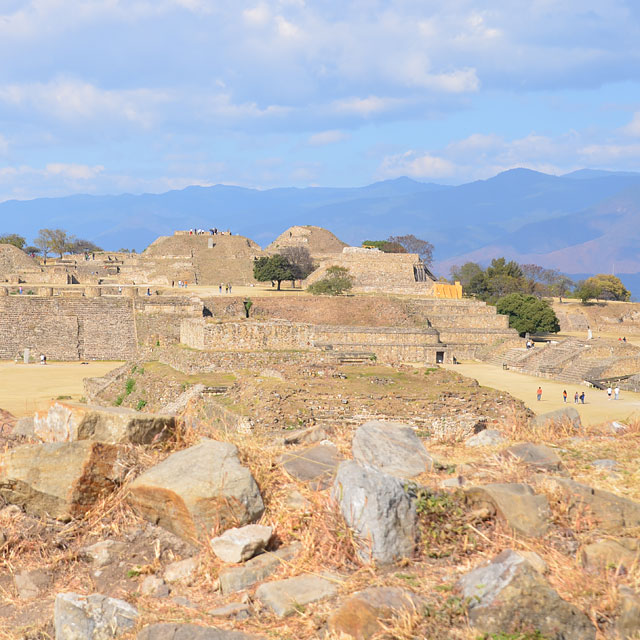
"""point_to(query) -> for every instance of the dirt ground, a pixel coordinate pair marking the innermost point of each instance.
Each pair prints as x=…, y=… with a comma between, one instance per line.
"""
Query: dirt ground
x=26, y=388
x=597, y=407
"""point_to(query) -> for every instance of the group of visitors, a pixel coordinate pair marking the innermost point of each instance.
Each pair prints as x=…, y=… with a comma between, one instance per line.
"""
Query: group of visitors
x=529, y=344
x=615, y=392
x=623, y=339
x=212, y=232
x=577, y=397
x=227, y=288
x=182, y=284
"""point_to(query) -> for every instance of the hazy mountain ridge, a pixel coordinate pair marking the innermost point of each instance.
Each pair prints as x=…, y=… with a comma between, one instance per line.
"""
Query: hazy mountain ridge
x=583, y=222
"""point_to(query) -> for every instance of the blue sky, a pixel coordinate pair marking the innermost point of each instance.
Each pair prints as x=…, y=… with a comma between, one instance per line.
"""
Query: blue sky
x=112, y=96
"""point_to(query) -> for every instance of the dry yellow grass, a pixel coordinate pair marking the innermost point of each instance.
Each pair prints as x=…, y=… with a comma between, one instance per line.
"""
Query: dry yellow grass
x=26, y=388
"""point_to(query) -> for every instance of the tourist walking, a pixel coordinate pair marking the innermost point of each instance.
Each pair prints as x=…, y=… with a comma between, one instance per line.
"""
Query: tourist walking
x=582, y=397
x=575, y=398
x=220, y=288
x=539, y=393
x=616, y=392
x=609, y=391
x=564, y=396
x=229, y=285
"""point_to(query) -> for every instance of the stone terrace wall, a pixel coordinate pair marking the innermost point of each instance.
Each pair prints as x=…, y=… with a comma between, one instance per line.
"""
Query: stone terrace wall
x=67, y=328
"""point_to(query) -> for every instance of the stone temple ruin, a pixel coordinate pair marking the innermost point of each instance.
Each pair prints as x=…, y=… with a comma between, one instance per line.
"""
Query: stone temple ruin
x=112, y=305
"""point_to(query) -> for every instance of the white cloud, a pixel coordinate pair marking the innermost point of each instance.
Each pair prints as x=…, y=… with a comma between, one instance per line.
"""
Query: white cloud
x=73, y=171
x=417, y=165
x=366, y=106
x=327, y=137
x=258, y=15
x=633, y=128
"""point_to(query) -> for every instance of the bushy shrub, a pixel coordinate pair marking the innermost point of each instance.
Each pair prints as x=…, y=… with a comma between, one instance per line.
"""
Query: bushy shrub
x=337, y=281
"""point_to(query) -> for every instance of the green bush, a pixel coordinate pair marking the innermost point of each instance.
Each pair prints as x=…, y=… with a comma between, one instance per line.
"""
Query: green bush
x=119, y=400
x=337, y=281
x=129, y=386
x=141, y=405
x=528, y=314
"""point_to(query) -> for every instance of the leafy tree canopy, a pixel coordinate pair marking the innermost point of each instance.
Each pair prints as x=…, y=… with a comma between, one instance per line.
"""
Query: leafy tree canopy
x=14, y=239
x=273, y=268
x=411, y=244
x=385, y=245
x=528, y=314
x=337, y=281
x=602, y=287
x=81, y=246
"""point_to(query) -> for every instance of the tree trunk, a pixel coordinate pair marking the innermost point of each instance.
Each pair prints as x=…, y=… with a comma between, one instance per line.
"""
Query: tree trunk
x=279, y=281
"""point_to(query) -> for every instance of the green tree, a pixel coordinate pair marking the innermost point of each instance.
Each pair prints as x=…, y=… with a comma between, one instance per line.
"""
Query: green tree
x=14, y=239
x=337, y=281
x=80, y=246
x=602, y=287
x=273, y=268
x=528, y=314
x=465, y=273
x=385, y=246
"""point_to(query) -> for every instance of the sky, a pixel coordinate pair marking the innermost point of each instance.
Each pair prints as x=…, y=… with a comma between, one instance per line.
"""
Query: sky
x=115, y=96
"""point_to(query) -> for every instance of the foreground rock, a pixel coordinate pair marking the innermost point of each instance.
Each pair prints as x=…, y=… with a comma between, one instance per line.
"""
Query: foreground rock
x=360, y=616
x=538, y=456
x=566, y=416
x=509, y=596
x=486, y=438
x=60, y=480
x=612, y=512
x=391, y=447
x=380, y=511
x=523, y=510
x=197, y=490
x=70, y=421
x=93, y=617
x=256, y=569
x=172, y=631
x=238, y=545
x=283, y=597
x=316, y=466
x=612, y=554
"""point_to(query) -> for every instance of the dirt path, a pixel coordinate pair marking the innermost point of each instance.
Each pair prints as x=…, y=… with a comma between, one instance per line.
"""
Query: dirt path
x=25, y=388
x=596, y=409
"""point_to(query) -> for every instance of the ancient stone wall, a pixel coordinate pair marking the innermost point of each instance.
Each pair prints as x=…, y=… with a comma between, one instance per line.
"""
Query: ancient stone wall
x=67, y=328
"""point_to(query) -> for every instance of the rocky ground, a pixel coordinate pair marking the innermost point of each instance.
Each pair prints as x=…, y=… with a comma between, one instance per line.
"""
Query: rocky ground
x=393, y=502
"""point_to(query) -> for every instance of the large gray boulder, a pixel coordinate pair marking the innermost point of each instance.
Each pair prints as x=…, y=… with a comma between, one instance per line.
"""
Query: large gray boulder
x=567, y=416
x=517, y=503
x=509, y=596
x=612, y=513
x=197, y=490
x=70, y=421
x=391, y=447
x=94, y=617
x=377, y=507
x=60, y=480
x=175, y=631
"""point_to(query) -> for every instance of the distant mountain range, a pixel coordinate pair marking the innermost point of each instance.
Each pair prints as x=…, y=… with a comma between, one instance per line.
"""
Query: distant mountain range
x=587, y=221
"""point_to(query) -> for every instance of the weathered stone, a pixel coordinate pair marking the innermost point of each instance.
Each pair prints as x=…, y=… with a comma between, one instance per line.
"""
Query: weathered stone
x=379, y=510
x=608, y=553
x=29, y=584
x=93, y=617
x=103, y=552
x=23, y=427
x=70, y=421
x=359, y=617
x=295, y=500
x=612, y=512
x=61, y=480
x=391, y=447
x=236, y=610
x=535, y=561
x=628, y=623
x=198, y=489
x=509, y=596
x=618, y=428
x=181, y=570
x=173, y=631
x=486, y=438
x=457, y=482
x=315, y=465
x=284, y=596
x=238, y=545
x=523, y=510
x=605, y=463
x=538, y=456
x=306, y=436
x=155, y=587
x=256, y=569
x=566, y=415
